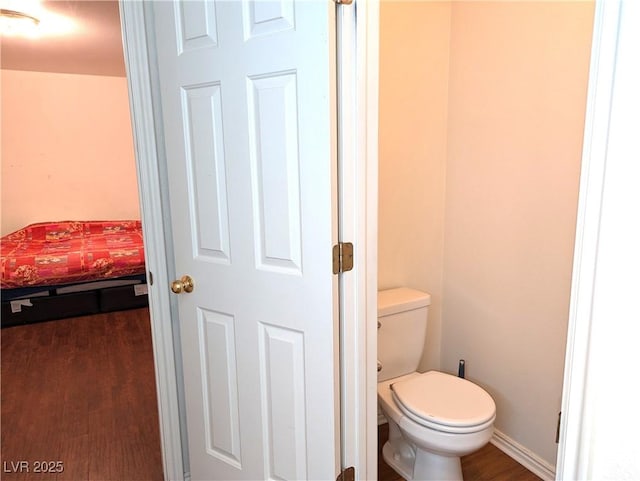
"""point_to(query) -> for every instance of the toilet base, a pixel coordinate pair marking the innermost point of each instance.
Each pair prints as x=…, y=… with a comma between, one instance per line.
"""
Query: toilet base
x=430, y=466
x=419, y=465
x=403, y=465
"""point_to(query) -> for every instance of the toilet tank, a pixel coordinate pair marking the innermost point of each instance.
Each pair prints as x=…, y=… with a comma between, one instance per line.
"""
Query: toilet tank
x=402, y=321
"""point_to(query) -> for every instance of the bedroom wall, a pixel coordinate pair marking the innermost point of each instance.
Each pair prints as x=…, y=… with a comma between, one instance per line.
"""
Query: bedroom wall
x=517, y=97
x=67, y=149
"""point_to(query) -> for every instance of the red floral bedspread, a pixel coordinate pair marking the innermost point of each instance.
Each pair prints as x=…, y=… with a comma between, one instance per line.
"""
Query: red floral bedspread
x=71, y=251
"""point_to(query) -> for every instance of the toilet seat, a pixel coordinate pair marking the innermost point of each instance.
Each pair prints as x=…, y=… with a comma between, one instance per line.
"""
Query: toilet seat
x=444, y=402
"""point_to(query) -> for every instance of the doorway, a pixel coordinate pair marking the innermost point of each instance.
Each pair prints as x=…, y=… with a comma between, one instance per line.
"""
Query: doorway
x=73, y=110
x=481, y=133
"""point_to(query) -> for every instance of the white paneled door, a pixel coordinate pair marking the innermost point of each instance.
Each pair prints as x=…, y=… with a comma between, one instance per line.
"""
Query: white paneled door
x=248, y=96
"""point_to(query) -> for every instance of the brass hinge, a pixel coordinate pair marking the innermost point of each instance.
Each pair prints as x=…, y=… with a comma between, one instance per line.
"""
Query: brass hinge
x=347, y=474
x=342, y=257
x=343, y=2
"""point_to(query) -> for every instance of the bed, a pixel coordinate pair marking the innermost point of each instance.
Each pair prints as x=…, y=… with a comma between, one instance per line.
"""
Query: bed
x=53, y=270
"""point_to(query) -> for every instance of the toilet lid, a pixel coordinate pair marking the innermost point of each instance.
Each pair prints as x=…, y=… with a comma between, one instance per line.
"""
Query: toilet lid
x=445, y=400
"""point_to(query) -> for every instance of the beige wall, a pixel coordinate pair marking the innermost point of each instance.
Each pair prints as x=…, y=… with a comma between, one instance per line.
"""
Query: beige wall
x=414, y=69
x=67, y=149
x=516, y=90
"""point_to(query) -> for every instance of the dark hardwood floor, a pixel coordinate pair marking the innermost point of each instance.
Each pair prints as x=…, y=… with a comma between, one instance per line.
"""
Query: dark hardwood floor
x=81, y=392
x=487, y=464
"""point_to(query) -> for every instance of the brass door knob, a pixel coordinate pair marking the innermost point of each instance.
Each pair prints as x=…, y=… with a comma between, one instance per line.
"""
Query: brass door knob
x=184, y=284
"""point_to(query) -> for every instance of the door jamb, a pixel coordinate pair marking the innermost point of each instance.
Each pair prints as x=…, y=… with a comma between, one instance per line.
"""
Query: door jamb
x=358, y=32
x=155, y=221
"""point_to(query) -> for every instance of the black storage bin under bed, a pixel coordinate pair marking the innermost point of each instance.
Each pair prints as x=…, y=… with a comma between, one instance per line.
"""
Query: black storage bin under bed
x=59, y=306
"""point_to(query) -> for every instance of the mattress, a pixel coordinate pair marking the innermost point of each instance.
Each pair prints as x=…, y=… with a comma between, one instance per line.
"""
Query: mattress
x=72, y=268
x=55, y=253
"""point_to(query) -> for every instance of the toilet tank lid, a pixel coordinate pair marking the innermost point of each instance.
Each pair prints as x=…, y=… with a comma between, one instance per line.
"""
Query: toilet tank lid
x=400, y=299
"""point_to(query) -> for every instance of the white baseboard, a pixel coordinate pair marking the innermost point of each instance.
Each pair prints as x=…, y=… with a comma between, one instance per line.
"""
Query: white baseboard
x=529, y=460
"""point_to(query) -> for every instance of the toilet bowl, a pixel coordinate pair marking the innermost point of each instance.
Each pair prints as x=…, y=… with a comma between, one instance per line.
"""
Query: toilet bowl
x=434, y=418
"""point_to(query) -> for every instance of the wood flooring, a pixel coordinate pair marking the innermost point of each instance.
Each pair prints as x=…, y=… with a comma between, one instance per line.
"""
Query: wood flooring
x=487, y=464
x=80, y=394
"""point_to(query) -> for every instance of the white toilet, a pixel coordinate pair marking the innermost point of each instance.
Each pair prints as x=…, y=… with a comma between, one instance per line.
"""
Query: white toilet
x=434, y=418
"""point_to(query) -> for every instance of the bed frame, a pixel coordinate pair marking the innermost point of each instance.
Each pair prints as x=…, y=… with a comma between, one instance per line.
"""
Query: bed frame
x=26, y=306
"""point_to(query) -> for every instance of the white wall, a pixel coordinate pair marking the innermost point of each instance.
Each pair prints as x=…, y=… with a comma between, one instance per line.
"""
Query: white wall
x=517, y=101
x=414, y=75
x=67, y=149
x=516, y=91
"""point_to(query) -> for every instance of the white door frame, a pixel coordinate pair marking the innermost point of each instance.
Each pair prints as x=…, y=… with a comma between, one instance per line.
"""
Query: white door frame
x=358, y=31
x=571, y=454
x=148, y=146
x=357, y=137
x=597, y=314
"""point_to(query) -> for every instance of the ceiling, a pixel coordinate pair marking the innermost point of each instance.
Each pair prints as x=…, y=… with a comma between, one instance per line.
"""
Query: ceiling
x=95, y=48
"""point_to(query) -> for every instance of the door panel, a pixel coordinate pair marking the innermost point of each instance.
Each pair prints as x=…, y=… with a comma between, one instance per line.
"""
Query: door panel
x=220, y=393
x=273, y=141
x=248, y=95
x=202, y=110
x=283, y=401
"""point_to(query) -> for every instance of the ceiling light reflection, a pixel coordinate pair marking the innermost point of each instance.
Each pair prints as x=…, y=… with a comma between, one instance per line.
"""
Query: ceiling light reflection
x=27, y=18
x=14, y=23
x=54, y=25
